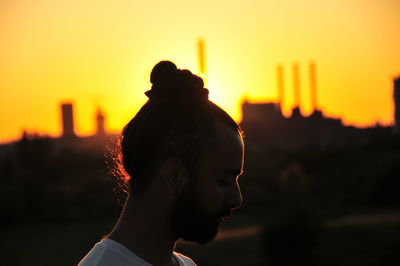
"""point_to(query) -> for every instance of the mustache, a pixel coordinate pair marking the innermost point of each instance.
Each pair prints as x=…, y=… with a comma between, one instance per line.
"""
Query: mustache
x=225, y=213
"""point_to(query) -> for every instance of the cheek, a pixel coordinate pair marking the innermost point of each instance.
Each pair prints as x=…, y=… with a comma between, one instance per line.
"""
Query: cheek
x=212, y=196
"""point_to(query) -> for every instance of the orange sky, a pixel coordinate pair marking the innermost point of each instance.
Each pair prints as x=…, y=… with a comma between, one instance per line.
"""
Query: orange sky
x=100, y=53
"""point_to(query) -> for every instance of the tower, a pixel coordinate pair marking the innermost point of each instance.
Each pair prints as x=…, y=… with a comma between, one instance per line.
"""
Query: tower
x=67, y=120
x=201, y=56
x=313, y=87
x=396, y=98
x=279, y=72
x=296, y=87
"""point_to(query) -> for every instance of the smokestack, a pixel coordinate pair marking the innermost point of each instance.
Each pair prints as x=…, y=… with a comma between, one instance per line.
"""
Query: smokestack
x=279, y=72
x=67, y=120
x=296, y=86
x=396, y=98
x=313, y=87
x=201, y=56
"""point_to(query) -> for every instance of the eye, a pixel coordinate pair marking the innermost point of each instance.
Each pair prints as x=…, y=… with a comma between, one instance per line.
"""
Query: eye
x=224, y=182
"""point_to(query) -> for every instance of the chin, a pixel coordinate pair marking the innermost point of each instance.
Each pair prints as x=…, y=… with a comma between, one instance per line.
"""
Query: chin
x=200, y=239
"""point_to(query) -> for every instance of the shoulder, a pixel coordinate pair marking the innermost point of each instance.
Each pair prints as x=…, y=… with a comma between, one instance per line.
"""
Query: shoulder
x=96, y=256
x=184, y=260
x=109, y=252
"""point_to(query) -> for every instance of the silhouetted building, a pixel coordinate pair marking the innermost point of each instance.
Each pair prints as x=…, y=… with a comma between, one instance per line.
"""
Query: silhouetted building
x=264, y=123
x=67, y=120
x=258, y=119
x=396, y=95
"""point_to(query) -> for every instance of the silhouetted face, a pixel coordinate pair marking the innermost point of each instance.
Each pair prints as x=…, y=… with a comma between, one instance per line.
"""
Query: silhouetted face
x=213, y=192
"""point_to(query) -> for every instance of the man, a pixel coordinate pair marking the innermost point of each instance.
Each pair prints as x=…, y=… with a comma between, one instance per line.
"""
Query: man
x=183, y=155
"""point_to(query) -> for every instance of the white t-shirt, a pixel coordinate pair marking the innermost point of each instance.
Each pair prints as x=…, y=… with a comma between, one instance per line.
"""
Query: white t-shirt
x=108, y=252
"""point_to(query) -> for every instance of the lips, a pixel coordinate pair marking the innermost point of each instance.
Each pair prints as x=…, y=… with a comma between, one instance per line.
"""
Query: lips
x=225, y=214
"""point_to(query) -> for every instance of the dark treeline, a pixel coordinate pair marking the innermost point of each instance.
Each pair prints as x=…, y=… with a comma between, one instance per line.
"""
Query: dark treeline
x=291, y=194
x=45, y=181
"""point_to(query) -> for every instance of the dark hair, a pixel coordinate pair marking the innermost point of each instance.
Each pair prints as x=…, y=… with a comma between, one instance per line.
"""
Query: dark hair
x=177, y=120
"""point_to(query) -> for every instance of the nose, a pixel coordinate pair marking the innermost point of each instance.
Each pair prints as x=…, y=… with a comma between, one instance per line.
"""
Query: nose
x=235, y=198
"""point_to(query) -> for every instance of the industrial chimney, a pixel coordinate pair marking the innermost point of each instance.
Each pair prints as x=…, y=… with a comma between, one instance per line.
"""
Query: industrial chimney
x=296, y=87
x=313, y=87
x=279, y=72
x=67, y=120
x=396, y=98
x=201, y=56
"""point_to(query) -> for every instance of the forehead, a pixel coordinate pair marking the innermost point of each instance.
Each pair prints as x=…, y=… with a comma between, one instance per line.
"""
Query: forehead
x=228, y=154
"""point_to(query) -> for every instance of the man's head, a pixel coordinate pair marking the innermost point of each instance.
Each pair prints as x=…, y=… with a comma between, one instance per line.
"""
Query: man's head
x=182, y=140
x=213, y=191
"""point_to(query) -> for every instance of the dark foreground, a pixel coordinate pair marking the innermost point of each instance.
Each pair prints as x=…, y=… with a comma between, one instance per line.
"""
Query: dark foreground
x=351, y=241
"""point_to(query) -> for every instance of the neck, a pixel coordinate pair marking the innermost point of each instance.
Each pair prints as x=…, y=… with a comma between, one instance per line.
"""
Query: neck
x=145, y=232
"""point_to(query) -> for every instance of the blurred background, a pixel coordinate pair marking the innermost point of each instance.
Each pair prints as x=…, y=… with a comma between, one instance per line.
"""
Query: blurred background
x=315, y=86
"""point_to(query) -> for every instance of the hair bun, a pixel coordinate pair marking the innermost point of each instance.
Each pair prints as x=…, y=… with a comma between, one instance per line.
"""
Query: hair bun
x=163, y=72
x=169, y=82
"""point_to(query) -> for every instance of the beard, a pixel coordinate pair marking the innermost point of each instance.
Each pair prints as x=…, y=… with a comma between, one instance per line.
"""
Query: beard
x=191, y=222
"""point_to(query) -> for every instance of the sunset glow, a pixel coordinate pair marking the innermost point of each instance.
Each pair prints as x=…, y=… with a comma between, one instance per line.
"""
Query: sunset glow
x=100, y=54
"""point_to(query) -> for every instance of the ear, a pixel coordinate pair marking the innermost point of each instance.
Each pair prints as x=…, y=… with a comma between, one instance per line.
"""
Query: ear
x=174, y=174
